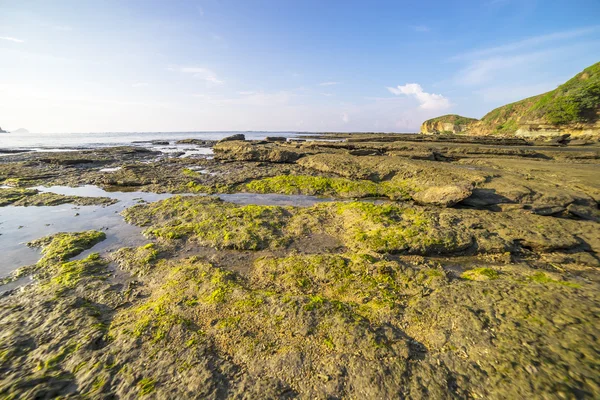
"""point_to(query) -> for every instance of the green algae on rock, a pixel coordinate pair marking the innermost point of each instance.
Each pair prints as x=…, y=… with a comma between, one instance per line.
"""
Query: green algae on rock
x=361, y=226
x=62, y=246
x=58, y=248
x=314, y=185
x=309, y=325
x=32, y=197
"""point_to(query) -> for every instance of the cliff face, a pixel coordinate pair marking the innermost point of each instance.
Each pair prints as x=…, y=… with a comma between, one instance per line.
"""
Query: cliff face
x=573, y=108
x=446, y=124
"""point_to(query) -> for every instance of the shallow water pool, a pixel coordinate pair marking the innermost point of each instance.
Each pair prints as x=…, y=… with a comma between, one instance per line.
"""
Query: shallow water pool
x=20, y=225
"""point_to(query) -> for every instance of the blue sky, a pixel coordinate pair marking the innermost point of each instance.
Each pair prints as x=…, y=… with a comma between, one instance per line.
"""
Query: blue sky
x=149, y=65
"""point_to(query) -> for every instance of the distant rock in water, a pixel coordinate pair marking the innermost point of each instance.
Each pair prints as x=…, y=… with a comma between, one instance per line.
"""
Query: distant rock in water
x=197, y=142
x=20, y=130
x=276, y=139
x=573, y=108
x=2, y=131
x=239, y=136
x=451, y=123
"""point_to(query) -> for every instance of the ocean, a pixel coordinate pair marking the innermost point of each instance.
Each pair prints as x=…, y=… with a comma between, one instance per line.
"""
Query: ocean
x=74, y=141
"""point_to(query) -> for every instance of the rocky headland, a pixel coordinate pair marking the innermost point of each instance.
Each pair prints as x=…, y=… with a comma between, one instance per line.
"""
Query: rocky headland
x=571, y=109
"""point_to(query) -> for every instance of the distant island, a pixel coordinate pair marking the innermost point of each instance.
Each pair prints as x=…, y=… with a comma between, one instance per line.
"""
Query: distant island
x=2, y=131
x=572, y=108
x=20, y=130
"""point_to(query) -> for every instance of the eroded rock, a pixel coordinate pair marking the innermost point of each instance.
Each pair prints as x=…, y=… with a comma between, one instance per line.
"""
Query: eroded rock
x=443, y=196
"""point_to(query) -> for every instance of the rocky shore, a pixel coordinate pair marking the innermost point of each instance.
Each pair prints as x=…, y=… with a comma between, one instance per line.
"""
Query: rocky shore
x=442, y=266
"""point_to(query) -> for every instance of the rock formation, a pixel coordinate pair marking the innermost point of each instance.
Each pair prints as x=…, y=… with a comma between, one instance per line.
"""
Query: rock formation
x=451, y=123
x=572, y=108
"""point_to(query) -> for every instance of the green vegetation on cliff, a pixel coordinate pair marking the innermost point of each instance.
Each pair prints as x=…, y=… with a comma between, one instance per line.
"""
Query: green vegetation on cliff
x=577, y=101
x=454, y=119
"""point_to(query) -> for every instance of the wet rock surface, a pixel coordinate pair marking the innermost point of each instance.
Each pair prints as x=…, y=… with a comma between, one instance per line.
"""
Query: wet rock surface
x=470, y=273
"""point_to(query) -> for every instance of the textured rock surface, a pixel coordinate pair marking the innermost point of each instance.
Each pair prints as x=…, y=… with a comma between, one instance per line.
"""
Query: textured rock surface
x=238, y=136
x=446, y=124
x=444, y=196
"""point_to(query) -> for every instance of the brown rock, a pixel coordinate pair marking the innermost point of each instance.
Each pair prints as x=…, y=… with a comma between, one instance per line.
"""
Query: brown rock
x=238, y=136
x=443, y=196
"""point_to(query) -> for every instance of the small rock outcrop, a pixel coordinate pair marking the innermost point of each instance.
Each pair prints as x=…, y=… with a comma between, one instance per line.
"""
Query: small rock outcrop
x=238, y=136
x=237, y=150
x=197, y=142
x=449, y=124
x=443, y=196
x=2, y=131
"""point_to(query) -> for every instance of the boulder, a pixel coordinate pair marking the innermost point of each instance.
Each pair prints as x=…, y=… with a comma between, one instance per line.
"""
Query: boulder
x=276, y=139
x=443, y=196
x=238, y=136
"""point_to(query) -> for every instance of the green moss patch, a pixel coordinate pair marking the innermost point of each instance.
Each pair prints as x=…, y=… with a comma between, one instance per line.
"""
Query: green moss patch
x=477, y=274
x=62, y=246
x=31, y=197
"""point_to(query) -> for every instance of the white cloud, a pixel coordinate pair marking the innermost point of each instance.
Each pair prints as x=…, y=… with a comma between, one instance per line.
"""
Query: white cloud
x=202, y=73
x=329, y=83
x=328, y=94
x=248, y=98
x=139, y=84
x=11, y=39
x=246, y=92
x=428, y=101
x=345, y=117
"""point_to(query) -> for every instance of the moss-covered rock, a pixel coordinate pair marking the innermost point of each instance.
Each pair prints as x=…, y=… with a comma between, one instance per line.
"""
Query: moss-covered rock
x=32, y=197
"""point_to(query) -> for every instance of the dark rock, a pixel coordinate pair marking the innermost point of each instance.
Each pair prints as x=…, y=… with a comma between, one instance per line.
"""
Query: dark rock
x=276, y=139
x=584, y=212
x=197, y=142
x=238, y=136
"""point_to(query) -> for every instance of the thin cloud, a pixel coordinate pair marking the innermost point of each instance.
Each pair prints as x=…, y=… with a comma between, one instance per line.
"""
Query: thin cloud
x=329, y=83
x=63, y=28
x=139, y=84
x=482, y=70
x=428, y=101
x=11, y=39
x=527, y=43
x=202, y=73
x=421, y=28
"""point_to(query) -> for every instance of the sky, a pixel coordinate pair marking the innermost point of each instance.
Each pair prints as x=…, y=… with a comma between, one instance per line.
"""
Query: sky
x=281, y=65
